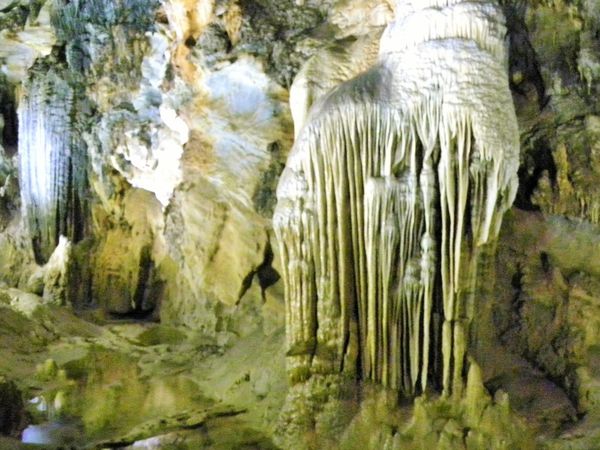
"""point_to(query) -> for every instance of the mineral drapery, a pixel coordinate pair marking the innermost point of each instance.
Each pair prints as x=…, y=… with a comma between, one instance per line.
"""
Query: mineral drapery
x=396, y=181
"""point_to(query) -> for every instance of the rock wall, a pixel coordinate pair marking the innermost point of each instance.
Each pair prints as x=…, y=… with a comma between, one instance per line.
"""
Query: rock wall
x=181, y=111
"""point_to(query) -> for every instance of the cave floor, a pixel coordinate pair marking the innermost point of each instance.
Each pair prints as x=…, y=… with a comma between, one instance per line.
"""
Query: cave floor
x=134, y=384
x=98, y=383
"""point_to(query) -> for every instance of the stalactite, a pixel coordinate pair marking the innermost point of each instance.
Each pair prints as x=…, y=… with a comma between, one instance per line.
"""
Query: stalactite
x=52, y=171
x=397, y=179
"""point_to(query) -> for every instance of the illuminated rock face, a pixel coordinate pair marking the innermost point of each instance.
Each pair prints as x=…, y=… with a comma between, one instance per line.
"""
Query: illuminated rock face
x=396, y=181
x=52, y=170
x=331, y=66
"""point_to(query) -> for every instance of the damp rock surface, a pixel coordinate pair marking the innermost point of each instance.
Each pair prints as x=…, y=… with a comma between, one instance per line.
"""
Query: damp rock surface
x=141, y=145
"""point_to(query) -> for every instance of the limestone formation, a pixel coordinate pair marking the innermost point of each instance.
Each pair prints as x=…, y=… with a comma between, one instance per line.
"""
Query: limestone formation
x=397, y=180
x=331, y=66
x=52, y=162
x=162, y=327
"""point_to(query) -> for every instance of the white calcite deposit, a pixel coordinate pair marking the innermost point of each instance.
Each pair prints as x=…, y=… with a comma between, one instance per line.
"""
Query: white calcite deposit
x=396, y=181
x=51, y=162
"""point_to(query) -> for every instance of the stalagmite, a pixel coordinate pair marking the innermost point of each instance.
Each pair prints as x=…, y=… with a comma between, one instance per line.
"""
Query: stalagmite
x=51, y=162
x=396, y=181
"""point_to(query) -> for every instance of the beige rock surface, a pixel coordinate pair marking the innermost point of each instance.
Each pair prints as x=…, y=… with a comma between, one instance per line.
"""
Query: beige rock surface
x=182, y=107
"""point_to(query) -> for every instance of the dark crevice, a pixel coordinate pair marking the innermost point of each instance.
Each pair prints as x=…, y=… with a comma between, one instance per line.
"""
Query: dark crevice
x=13, y=417
x=523, y=63
x=147, y=295
x=437, y=313
x=148, y=290
x=538, y=161
x=517, y=282
x=190, y=42
x=517, y=285
x=134, y=316
x=545, y=261
x=10, y=132
x=508, y=325
x=60, y=53
x=246, y=283
x=266, y=275
x=37, y=245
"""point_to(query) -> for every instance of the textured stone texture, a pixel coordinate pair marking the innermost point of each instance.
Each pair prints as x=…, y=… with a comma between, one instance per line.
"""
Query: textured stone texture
x=183, y=113
x=52, y=161
x=26, y=34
